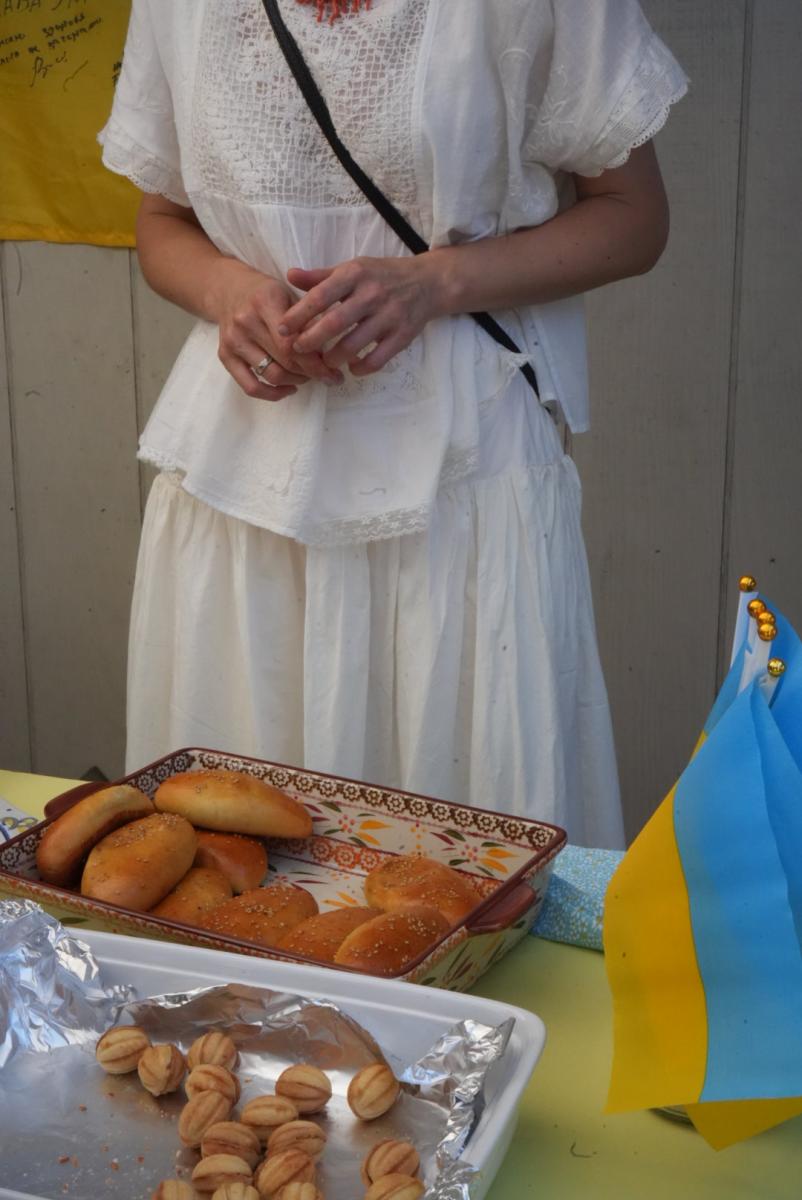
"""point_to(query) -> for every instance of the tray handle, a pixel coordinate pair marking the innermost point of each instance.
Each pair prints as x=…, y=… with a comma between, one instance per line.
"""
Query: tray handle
x=504, y=912
x=59, y=804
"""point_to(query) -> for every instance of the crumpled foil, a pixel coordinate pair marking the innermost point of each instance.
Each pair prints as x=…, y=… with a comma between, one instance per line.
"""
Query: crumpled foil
x=68, y=1129
x=50, y=988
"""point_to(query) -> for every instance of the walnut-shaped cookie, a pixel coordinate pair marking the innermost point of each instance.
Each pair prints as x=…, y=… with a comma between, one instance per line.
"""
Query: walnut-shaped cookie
x=390, y=1157
x=263, y=1114
x=210, y=1078
x=119, y=1049
x=298, y=1135
x=161, y=1069
x=306, y=1086
x=218, y=1170
x=373, y=1091
x=214, y=1048
x=288, y=1166
x=199, y=1114
x=395, y=1187
x=232, y=1137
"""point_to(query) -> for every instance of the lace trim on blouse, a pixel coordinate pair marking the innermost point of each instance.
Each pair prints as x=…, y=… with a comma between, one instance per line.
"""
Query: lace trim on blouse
x=643, y=108
x=123, y=155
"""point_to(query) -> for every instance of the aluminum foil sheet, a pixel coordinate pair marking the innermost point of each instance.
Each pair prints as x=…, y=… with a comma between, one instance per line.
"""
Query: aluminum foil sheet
x=69, y=1130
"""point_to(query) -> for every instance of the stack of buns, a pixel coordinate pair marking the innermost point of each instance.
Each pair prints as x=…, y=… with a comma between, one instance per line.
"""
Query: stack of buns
x=194, y=855
x=192, y=850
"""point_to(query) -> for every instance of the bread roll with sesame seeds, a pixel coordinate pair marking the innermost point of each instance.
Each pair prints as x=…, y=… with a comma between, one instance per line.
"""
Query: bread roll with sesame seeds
x=67, y=840
x=137, y=866
x=389, y=943
x=322, y=935
x=409, y=881
x=233, y=802
x=201, y=890
x=243, y=860
x=262, y=915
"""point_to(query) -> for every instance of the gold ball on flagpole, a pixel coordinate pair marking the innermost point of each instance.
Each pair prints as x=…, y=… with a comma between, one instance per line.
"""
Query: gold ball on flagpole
x=766, y=632
x=776, y=667
x=767, y=618
x=755, y=608
x=747, y=583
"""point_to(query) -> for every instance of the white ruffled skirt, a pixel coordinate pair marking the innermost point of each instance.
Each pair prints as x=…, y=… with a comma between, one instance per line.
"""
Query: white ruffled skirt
x=460, y=662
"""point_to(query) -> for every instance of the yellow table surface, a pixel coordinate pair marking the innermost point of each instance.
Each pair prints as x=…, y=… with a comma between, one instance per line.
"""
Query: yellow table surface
x=565, y=1147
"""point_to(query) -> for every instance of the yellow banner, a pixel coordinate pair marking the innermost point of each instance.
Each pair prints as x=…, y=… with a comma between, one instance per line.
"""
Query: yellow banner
x=59, y=61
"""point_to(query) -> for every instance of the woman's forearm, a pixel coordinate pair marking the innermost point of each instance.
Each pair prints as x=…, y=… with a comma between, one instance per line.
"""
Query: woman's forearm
x=618, y=228
x=180, y=262
x=184, y=266
x=591, y=244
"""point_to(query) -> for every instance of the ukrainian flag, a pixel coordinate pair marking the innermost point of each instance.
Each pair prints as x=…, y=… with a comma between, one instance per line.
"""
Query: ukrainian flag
x=703, y=921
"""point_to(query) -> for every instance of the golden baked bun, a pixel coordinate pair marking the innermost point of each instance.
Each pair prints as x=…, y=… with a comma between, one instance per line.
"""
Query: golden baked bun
x=137, y=866
x=243, y=860
x=262, y=915
x=408, y=880
x=385, y=945
x=233, y=802
x=201, y=890
x=67, y=841
x=322, y=935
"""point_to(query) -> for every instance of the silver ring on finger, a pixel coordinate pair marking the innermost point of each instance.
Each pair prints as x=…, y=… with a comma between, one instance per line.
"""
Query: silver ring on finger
x=261, y=367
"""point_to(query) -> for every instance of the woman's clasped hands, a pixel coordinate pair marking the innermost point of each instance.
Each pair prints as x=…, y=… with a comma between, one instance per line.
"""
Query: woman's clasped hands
x=361, y=313
x=357, y=315
x=249, y=310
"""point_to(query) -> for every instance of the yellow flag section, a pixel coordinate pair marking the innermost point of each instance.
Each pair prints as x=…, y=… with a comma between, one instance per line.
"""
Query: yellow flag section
x=729, y=1121
x=660, y=1019
x=59, y=60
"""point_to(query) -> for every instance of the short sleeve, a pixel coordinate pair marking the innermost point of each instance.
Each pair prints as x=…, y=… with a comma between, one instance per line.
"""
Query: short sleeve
x=139, y=139
x=609, y=87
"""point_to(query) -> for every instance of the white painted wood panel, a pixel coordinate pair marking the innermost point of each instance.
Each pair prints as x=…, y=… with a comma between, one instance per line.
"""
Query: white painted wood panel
x=14, y=730
x=160, y=330
x=69, y=323
x=766, y=506
x=654, y=465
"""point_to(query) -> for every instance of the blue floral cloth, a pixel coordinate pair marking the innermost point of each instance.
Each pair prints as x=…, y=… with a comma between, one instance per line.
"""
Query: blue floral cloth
x=574, y=907
x=13, y=821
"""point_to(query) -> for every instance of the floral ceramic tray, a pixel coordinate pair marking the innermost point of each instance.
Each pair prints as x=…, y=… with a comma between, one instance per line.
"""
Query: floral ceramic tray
x=355, y=826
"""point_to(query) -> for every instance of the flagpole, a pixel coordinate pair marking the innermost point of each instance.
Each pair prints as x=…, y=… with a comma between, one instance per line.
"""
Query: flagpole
x=756, y=663
x=755, y=608
x=747, y=592
x=774, y=673
x=762, y=632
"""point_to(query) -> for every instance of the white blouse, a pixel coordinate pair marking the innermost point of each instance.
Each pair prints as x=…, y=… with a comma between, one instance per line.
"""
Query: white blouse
x=471, y=115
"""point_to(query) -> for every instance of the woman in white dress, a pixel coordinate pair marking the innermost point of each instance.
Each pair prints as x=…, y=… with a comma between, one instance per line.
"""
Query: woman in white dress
x=363, y=553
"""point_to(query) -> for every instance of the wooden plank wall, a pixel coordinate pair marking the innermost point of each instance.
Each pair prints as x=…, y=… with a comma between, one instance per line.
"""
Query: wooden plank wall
x=691, y=473
x=654, y=464
x=764, y=513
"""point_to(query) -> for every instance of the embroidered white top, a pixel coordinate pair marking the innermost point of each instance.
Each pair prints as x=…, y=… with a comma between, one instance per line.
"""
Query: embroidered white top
x=471, y=115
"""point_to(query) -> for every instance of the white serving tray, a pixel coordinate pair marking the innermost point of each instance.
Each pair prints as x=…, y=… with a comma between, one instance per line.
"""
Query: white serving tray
x=404, y=1018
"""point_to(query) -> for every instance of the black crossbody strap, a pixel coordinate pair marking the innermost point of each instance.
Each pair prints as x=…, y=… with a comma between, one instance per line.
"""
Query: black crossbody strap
x=397, y=222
